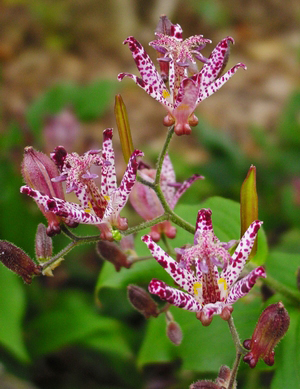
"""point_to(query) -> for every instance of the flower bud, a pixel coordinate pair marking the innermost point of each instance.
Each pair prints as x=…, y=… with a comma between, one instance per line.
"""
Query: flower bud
x=43, y=244
x=18, y=261
x=174, y=332
x=123, y=128
x=204, y=384
x=221, y=382
x=249, y=204
x=38, y=170
x=272, y=325
x=111, y=252
x=142, y=301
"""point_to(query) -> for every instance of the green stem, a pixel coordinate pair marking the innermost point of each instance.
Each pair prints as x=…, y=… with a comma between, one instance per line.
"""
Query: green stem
x=142, y=226
x=239, y=352
x=162, y=155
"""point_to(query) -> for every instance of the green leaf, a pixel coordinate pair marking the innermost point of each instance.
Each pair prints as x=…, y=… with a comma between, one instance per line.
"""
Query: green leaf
x=203, y=349
x=287, y=358
x=283, y=267
x=72, y=320
x=12, y=307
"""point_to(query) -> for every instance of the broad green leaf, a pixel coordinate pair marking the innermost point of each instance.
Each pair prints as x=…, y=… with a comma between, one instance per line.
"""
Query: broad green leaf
x=12, y=307
x=203, y=349
x=287, y=356
x=156, y=347
x=283, y=267
x=72, y=320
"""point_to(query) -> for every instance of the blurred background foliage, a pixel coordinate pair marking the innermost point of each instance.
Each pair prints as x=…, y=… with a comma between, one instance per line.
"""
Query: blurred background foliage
x=59, y=62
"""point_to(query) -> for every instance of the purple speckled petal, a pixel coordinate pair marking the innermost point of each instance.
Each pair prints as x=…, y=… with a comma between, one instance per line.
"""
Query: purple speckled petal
x=213, y=308
x=174, y=296
x=108, y=173
x=153, y=91
x=151, y=80
x=243, y=287
x=168, y=177
x=71, y=212
x=182, y=277
x=216, y=62
x=183, y=187
x=203, y=224
x=218, y=83
x=241, y=254
x=119, y=197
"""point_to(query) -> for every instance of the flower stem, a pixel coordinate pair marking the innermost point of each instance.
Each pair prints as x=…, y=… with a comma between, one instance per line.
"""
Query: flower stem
x=144, y=225
x=239, y=352
x=162, y=154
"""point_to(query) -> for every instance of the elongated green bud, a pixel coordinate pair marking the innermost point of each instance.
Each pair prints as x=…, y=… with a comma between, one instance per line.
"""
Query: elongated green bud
x=249, y=204
x=123, y=128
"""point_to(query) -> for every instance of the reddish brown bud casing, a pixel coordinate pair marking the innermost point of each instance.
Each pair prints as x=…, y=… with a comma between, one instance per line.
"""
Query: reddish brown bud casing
x=43, y=244
x=174, y=333
x=111, y=252
x=142, y=301
x=221, y=382
x=18, y=261
x=272, y=325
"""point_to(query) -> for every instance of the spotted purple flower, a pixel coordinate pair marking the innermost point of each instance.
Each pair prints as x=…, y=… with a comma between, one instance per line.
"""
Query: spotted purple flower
x=146, y=203
x=98, y=206
x=185, y=93
x=208, y=292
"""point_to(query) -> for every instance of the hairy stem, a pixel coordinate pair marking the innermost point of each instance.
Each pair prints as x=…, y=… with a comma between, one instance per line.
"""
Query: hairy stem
x=239, y=352
x=162, y=155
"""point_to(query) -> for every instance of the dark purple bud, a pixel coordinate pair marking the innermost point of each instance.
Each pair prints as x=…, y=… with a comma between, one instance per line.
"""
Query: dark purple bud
x=223, y=378
x=58, y=156
x=111, y=252
x=204, y=384
x=43, y=244
x=221, y=382
x=142, y=301
x=18, y=261
x=272, y=325
x=174, y=332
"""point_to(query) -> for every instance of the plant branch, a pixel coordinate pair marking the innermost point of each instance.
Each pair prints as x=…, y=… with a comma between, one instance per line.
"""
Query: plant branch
x=239, y=352
x=162, y=154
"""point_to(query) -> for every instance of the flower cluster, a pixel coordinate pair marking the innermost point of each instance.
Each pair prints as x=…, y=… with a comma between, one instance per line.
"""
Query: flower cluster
x=98, y=206
x=207, y=293
x=146, y=203
x=184, y=93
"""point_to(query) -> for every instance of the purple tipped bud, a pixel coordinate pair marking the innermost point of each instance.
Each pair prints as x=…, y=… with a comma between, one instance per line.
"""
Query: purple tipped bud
x=174, y=332
x=204, y=384
x=38, y=171
x=142, y=301
x=43, y=244
x=223, y=377
x=111, y=252
x=272, y=325
x=18, y=261
x=221, y=382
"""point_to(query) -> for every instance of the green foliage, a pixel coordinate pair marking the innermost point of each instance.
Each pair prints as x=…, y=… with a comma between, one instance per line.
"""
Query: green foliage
x=12, y=309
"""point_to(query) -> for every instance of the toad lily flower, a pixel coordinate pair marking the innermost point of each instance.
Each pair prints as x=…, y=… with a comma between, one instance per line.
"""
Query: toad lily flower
x=100, y=207
x=146, y=203
x=185, y=93
x=207, y=293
